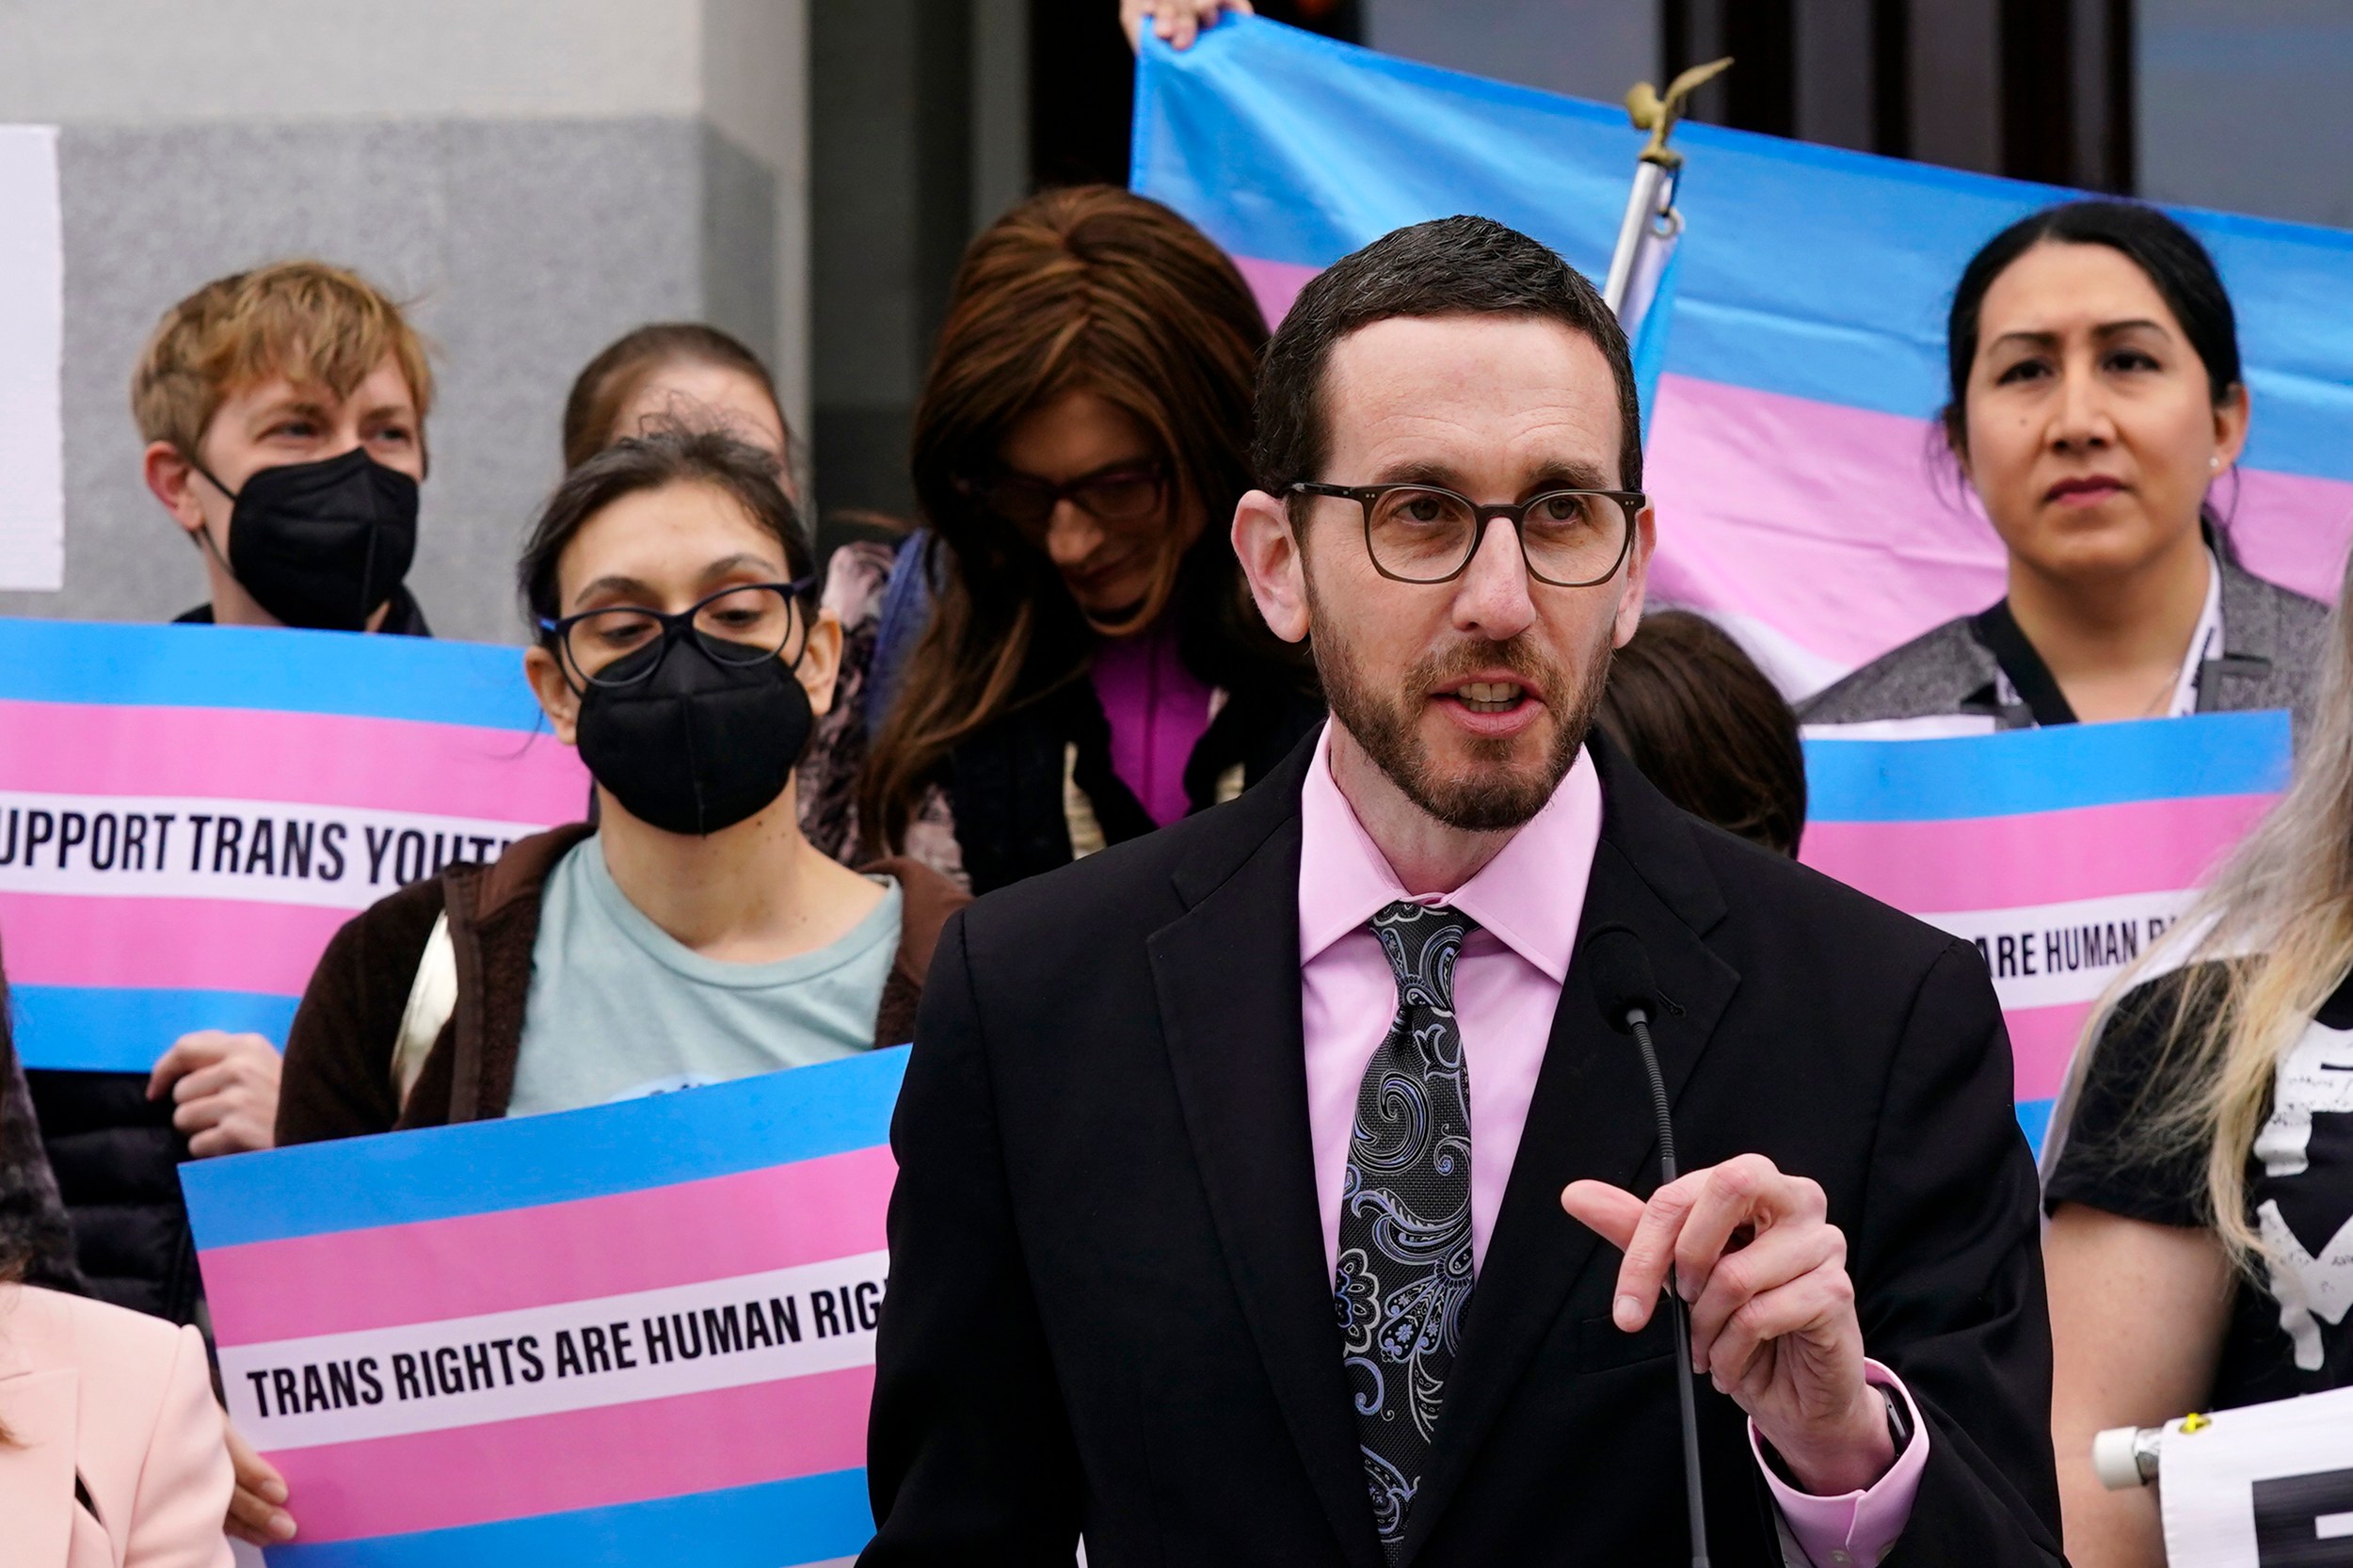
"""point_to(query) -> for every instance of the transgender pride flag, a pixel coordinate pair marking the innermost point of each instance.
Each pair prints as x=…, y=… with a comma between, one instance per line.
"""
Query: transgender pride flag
x=1800, y=495
x=188, y=813
x=637, y=1334
x=2062, y=853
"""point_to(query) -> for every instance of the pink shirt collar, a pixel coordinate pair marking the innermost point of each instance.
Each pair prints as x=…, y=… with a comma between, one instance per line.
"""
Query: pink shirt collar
x=1529, y=897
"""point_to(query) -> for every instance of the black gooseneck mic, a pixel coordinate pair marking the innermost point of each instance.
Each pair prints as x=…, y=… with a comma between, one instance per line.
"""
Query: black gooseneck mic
x=1620, y=968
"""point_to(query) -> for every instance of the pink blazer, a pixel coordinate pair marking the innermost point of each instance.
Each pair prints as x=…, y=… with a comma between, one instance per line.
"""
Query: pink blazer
x=126, y=1402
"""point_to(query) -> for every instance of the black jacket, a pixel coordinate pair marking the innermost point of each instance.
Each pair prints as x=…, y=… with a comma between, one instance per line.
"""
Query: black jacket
x=117, y=1159
x=1109, y=1309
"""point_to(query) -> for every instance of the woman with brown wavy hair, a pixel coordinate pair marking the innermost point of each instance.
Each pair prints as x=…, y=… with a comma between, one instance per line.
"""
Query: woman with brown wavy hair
x=1066, y=655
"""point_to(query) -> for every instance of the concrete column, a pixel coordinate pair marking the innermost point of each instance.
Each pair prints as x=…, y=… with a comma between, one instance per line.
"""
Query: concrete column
x=2242, y=104
x=536, y=176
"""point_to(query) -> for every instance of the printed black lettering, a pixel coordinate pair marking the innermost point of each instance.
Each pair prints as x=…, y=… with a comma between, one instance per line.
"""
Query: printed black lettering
x=106, y=838
x=294, y=857
x=196, y=852
x=40, y=827
x=477, y=1366
x=2026, y=952
x=869, y=1299
x=376, y=848
x=658, y=1341
x=448, y=1370
x=567, y=1355
x=755, y=1327
x=784, y=1314
x=723, y=1329
x=409, y=853
x=442, y=855
x=405, y=1384
x=593, y=1349
x=313, y=1390
x=227, y=837
x=260, y=1379
x=162, y=836
x=8, y=855
x=824, y=1314
x=2130, y=949
x=688, y=1334
x=2006, y=964
x=528, y=1348
x=341, y=1390
x=622, y=1358
x=481, y=849
x=332, y=849
x=261, y=855
x=506, y=1359
x=73, y=828
x=134, y=843
x=372, y=1390
x=289, y=1392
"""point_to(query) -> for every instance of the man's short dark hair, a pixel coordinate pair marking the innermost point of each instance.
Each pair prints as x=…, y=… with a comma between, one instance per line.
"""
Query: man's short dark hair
x=1449, y=266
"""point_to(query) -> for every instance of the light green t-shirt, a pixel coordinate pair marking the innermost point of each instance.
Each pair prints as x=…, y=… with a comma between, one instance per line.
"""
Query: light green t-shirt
x=619, y=1008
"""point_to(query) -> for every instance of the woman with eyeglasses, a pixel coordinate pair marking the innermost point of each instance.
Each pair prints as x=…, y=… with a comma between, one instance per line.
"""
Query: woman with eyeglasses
x=2096, y=401
x=1066, y=656
x=692, y=934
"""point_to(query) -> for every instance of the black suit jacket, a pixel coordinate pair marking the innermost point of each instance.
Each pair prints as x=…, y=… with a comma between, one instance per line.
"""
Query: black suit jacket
x=1109, y=1308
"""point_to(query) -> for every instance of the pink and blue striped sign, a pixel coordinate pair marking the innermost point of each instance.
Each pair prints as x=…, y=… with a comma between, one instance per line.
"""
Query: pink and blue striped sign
x=2062, y=853
x=1791, y=455
x=188, y=813
x=636, y=1334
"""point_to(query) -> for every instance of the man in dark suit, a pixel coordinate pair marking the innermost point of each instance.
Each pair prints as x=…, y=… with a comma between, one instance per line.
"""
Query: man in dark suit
x=1255, y=1176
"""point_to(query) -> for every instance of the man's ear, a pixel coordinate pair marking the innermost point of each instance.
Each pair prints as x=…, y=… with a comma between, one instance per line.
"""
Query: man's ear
x=1273, y=562
x=557, y=699
x=172, y=479
x=820, y=662
x=1637, y=578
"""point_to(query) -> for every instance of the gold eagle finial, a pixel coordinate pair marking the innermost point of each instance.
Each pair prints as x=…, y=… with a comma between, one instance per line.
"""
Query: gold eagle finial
x=1657, y=115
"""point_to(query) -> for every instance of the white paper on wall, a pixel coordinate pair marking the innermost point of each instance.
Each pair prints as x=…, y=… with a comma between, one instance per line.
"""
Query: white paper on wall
x=32, y=345
x=2264, y=1487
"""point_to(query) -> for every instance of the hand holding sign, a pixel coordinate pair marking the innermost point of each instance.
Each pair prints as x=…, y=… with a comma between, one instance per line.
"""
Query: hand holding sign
x=226, y=1087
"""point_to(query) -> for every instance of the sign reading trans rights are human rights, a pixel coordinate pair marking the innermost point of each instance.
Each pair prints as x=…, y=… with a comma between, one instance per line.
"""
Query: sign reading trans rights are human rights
x=188, y=813
x=636, y=1334
x=2061, y=853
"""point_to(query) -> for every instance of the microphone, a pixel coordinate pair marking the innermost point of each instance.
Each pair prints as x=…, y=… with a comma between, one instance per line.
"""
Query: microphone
x=1620, y=968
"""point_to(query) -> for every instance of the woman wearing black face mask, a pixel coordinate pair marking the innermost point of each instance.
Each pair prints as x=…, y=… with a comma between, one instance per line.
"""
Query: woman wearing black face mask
x=692, y=935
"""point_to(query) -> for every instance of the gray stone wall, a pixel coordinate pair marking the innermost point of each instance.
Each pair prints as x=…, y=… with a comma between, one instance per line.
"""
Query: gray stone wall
x=525, y=246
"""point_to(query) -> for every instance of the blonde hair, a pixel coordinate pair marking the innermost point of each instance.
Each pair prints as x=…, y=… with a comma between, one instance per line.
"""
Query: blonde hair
x=2264, y=945
x=305, y=320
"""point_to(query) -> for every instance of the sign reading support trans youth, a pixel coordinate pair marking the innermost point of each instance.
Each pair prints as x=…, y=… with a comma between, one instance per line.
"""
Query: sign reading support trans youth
x=2062, y=853
x=641, y=1333
x=188, y=813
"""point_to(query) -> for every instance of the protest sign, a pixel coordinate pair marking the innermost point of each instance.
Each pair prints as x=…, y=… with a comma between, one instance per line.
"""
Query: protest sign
x=32, y=348
x=189, y=813
x=639, y=1333
x=1792, y=454
x=2062, y=853
x=2263, y=1486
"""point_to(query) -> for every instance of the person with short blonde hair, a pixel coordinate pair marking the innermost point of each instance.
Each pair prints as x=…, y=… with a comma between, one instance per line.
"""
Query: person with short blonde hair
x=283, y=410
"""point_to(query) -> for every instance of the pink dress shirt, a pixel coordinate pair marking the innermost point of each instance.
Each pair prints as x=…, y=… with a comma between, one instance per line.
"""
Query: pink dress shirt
x=1507, y=986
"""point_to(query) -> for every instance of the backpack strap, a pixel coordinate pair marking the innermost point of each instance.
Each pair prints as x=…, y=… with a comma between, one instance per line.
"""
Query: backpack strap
x=432, y=998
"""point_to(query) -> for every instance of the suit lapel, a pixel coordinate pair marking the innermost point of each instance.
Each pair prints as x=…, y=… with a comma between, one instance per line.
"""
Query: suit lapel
x=1591, y=1116
x=1226, y=974
x=37, y=1466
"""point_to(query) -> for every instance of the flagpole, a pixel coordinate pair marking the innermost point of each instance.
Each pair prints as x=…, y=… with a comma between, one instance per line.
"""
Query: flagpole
x=1650, y=216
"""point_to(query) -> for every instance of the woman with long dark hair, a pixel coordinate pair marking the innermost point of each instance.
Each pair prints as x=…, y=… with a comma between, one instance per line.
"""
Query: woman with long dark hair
x=2096, y=399
x=1066, y=656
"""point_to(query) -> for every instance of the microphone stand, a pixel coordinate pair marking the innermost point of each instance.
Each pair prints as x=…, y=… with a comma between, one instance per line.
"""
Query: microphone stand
x=1638, y=1020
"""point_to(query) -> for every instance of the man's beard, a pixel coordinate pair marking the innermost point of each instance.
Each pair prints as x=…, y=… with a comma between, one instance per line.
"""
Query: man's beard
x=1490, y=796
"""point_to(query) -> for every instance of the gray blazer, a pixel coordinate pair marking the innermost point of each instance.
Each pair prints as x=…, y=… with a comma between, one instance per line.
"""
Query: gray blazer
x=2273, y=640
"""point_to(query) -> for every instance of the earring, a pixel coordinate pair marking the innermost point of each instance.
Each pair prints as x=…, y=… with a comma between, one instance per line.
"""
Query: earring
x=2214, y=463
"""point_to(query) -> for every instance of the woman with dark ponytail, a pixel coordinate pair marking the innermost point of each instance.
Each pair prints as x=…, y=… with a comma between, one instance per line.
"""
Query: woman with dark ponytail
x=2096, y=401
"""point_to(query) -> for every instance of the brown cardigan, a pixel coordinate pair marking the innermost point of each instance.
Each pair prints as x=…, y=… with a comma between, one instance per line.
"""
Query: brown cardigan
x=337, y=1079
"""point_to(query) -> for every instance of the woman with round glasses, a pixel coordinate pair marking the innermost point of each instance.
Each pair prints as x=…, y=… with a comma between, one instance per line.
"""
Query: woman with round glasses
x=2096, y=399
x=1066, y=655
x=692, y=934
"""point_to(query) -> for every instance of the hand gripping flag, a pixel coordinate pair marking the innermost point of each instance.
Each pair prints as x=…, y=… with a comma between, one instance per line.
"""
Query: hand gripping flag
x=641, y=1333
x=188, y=813
x=1802, y=491
x=2061, y=853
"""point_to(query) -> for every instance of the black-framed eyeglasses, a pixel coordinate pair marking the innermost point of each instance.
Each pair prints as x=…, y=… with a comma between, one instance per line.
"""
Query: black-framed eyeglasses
x=739, y=625
x=1422, y=534
x=1124, y=493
